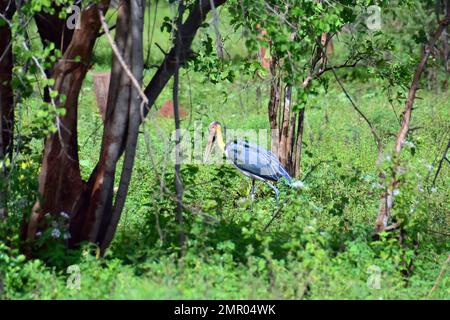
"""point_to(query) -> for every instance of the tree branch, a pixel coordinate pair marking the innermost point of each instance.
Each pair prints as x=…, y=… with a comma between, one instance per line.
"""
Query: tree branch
x=168, y=66
x=387, y=199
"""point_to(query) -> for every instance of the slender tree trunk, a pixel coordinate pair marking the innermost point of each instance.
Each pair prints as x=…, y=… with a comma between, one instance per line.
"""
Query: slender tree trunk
x=178, y=182
x=298, y=142
x=167, y=68
x=274, y=105
x=99, y=210
x=284, y=130
x=387, y=197
x=291, y=142
x=136, y=25
x=219, y=46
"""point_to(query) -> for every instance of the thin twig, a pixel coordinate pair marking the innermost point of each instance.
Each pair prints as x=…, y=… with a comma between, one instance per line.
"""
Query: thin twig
x=438, y=279
x=444, y=157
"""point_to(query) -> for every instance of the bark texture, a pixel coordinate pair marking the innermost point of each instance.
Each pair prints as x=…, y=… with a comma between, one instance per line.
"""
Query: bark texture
x=287, y=125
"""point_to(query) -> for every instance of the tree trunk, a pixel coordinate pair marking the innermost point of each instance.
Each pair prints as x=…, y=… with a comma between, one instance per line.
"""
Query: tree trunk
x=283, y=152
x=60, y=184
x=274, y=105
x=287, y=126
x=98, y=213
x=298, y=142
x=177, y=181
x=167, y=68
x=136, y=24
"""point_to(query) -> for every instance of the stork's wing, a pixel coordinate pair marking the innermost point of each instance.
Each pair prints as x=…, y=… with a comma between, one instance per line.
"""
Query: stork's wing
x=255, y=160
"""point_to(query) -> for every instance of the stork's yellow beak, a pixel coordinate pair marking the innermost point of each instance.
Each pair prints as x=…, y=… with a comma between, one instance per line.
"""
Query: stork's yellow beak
x=211, y=139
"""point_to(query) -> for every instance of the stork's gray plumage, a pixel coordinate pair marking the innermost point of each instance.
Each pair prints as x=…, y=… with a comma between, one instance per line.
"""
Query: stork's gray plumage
x=250, y=159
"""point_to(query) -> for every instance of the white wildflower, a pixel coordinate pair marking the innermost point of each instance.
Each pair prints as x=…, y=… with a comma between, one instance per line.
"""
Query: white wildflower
x=56, y=233
x=64, y=215
x=298, y=184
x=396, y=192
x=38, y=234
x=66, y=235
x=409, y=144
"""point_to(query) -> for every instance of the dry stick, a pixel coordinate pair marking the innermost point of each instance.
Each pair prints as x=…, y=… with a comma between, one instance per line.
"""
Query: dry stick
x=444, y=157
x=438, y=279
x=276, y=215
x=387, y=198
x=372, y=128
x=219, y=45
x=431, y=169
x=176, y=78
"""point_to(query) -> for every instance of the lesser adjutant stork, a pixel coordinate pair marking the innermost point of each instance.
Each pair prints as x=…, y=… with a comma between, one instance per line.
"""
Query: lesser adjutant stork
x=252, y=160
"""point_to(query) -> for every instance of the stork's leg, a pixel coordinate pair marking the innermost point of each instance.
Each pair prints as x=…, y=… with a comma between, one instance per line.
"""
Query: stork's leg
x=252, y=194
x=276, y=191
